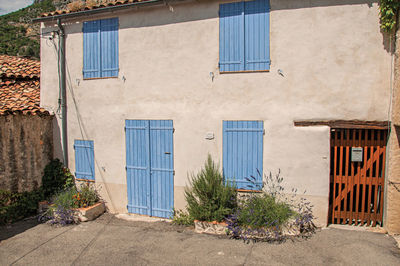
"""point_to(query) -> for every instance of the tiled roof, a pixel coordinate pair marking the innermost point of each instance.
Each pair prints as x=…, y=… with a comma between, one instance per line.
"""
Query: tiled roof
x=17, y=67
x=19, y=86
x=83, y=7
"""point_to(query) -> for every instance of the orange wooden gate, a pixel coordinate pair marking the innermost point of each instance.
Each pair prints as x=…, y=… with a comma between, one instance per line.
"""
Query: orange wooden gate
x=356, y=185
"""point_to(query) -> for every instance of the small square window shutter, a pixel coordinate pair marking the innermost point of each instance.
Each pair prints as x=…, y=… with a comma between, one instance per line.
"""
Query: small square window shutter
x=109, y=47
x=231, y=37
x=84, y=159
x=91, y=49
x=243, y=153
x=257, y=35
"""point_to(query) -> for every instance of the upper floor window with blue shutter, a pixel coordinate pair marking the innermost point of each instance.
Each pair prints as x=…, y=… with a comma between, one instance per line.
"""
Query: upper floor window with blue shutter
x=100, y=48
x=244, y=36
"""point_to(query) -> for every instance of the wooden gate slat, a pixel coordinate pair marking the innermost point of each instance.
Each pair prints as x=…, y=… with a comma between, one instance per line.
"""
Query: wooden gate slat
x=352, y=183
x=357, y=178
x=362, y=179
x=375, y=177
x=369, y=178
x=383, y=145
x=346, y=173
x=340, y=179
x=334, y=177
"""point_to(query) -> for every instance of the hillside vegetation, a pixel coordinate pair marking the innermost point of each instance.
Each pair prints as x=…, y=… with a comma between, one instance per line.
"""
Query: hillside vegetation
x=18, y=35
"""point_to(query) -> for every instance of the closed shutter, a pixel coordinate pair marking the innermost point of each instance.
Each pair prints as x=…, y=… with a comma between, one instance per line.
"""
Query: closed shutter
x=91, y=49
x=84, y=159
x=138, y=166
x=244, y=36
x=257, y=35
x=231, y=42
x=162, y=167
x=243, y=153
x=109, y=47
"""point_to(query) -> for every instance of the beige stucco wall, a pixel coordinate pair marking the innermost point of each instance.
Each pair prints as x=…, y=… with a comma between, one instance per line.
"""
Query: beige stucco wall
x=331, y=53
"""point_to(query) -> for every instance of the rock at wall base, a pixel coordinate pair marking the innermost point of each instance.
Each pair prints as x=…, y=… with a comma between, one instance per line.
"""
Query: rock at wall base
x=213, y=228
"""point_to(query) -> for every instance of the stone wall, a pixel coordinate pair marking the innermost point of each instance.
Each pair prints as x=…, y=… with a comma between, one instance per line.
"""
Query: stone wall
x=26, y=146
x=392, y=223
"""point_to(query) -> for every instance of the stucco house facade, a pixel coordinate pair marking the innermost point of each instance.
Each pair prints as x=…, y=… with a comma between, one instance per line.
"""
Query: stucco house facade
x=153, y=87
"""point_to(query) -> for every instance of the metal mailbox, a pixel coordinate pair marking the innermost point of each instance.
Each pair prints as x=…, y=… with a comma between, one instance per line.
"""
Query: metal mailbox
x=356, y=154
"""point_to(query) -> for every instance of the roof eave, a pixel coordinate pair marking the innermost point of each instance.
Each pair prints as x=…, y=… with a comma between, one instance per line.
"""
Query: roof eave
x=101, y=10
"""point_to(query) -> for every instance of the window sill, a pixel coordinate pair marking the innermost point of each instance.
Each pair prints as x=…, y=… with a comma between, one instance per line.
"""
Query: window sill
x=100, y=78
x=243, y=71
x=248, y=190
x=85, y=180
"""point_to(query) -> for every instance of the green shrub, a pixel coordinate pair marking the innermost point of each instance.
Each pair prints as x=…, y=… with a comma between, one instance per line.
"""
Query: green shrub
x=56, y=178
x=61, y=210
x=182, y=218
x=65, y=199
x=86, y=196
x=16, y=206
x=209, y=198
x=263, y=210
x=269, y=215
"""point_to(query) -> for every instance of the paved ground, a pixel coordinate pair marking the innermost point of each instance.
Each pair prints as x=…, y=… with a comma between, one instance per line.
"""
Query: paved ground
x=112, y=241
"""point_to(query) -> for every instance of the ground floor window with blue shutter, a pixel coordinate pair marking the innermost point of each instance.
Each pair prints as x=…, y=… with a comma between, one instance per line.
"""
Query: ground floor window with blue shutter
x=244, y=36
x=84, y=159
x=243, y=153
x=100, y=48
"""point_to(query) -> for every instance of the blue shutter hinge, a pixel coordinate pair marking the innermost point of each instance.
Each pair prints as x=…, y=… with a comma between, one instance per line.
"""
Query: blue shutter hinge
x=125, y=129
x=126, y=168
x=174, y=172
x=263, y=131
x=173, y=130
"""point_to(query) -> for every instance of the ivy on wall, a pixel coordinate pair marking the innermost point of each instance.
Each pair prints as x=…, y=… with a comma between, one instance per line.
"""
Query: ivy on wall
x=388, y=11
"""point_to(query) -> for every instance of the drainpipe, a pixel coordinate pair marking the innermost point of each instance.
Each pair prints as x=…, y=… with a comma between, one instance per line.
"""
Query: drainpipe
x=61, y=62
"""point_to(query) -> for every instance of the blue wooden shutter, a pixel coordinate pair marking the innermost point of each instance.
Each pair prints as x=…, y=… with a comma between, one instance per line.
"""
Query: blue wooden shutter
x=231, y=37
x=91, y=49
x=109, y=47
x=257, y=35
x=243, y=153
x=138, y=166
x=84, y=159
x=162, y=167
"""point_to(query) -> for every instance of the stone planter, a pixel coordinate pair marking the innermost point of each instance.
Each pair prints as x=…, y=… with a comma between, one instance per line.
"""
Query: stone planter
x=90, y=213
x=214, y=227
x=43, y=206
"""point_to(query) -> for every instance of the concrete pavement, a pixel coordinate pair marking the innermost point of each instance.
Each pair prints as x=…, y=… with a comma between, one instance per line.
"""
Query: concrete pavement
x=112, y=241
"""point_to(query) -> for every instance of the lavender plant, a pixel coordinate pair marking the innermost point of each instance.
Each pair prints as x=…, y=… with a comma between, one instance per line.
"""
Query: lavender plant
x=58, y=216
x=271, y=215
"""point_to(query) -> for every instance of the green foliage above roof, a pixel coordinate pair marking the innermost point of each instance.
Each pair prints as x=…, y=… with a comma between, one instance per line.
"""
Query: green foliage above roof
x=18, y=36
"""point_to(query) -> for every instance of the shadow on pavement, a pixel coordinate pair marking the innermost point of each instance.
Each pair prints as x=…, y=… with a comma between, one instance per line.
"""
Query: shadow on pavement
x=8, y=231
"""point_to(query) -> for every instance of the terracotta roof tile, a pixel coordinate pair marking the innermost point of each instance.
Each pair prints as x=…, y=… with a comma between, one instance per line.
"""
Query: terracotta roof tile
x=86, y=7
x=19, y=86
x=17, y=67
